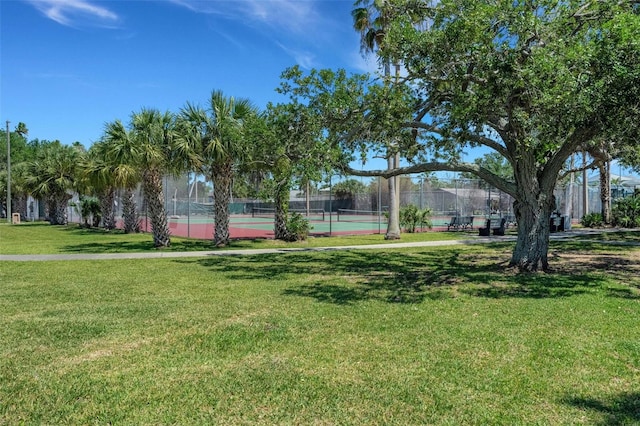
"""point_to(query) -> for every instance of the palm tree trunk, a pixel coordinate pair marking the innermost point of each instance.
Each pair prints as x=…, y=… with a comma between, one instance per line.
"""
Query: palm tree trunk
x=152, y=186
x=58, y=208
x=106, y=206
x=129, y=214
x=222, y=177
x=605, y=190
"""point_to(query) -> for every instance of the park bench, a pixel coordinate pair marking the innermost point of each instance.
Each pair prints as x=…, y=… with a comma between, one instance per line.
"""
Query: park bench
x=460, y=222
x=453, y=223
x=511, y=220
x=556, y=224
x=467, y=222
x=495, y=225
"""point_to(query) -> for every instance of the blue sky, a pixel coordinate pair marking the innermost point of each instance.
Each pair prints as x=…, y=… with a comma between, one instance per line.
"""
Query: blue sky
x=69, y=66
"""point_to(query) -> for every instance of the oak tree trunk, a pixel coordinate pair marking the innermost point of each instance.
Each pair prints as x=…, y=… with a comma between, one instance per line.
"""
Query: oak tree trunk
x=281, y=231
x=533, y=205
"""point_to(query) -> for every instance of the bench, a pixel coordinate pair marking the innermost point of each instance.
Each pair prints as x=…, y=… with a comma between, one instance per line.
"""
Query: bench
x=495, y=225
x=511, y=220
x=556, y=224
x=460, y=222
x=453, y=223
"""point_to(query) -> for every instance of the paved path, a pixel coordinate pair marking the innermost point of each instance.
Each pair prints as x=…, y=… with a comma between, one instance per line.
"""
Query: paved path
x=227, y=252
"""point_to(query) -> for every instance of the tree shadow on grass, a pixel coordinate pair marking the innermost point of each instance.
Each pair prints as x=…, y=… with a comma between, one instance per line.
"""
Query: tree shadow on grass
x=109, y=247
x=99, y=240
x=622, y=409
x=403, y=276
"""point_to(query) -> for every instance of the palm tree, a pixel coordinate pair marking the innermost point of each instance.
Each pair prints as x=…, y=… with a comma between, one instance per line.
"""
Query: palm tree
x=51, y=176
x=101, y=178
x=218, y=131
x=371, y=20
x=119, y=154
x=153, y=133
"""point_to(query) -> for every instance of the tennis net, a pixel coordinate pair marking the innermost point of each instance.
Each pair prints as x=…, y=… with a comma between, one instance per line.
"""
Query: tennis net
x=350, y=215
x=267, y=212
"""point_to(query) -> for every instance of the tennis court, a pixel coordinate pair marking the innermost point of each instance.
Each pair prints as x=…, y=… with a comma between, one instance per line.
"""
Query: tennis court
x=260, y=223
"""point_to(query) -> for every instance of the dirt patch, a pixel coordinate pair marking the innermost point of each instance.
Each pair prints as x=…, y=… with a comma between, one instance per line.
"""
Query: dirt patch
x=627, y=263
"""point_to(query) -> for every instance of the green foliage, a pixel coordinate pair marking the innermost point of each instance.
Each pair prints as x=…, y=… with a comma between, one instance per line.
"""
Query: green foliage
x=298, y=227
x=411, y=218
x=626, y=212
x=349, y=188
x=495, y=163
x=90, y=209
x=592, y=220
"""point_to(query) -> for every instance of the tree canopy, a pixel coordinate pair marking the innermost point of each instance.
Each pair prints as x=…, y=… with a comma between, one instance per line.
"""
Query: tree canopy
x=530, y=80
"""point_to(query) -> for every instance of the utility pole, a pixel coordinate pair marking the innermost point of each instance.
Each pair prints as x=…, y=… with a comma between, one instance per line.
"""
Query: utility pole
x=8, y=174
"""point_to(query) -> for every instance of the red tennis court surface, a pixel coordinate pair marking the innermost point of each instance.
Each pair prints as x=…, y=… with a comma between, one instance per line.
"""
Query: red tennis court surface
x=240, y=228
x=246, y=227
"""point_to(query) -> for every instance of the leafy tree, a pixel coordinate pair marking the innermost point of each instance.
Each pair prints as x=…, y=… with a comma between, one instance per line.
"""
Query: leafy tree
x=102, y=179
x=20, y=153
x=217, y=133
x=495, y=163
x=371, y=19
x=511, y=76
x=532, y=81
x=288, y=144
x=52, y=176
x=354, y=191
x=117, y=156
x=157, y=153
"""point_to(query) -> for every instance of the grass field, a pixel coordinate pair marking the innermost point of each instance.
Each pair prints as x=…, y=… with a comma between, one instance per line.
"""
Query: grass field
x=42, y=238
x=437, y=335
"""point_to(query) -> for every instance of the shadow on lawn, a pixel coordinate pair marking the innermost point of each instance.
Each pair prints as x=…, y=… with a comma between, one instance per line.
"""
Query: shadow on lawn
x=347, y=277
x=622, y=409
x=119, y=242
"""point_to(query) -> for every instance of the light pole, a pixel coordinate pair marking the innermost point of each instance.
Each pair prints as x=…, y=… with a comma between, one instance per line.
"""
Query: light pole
x=8, y=174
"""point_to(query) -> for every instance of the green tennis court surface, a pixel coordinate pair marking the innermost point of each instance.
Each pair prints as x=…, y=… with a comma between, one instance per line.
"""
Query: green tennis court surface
x=250, y=226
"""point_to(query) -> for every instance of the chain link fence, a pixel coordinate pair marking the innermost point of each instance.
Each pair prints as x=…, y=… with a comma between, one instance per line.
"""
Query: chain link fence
x=189, y=199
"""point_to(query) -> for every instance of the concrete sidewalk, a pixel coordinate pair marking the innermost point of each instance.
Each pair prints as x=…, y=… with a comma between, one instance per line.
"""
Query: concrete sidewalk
x=249, y=252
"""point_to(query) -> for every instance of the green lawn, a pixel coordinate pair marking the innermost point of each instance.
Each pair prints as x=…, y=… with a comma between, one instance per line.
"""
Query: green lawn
x=42, y=238
x=443, y=336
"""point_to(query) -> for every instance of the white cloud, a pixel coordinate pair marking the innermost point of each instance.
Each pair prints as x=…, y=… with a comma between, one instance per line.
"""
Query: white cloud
x=291, y=16
x=367, y=64
x=75, y=13
x=289, y=24
x=303, y=58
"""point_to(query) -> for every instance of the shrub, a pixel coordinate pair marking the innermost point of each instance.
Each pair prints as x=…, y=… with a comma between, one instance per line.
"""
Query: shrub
x=626, y=212
x=592, y=220
x=411, y=217
x=297, y=227
x=90, y=209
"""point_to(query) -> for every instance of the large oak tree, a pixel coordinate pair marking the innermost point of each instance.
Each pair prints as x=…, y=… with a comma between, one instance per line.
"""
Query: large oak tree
x=531, y=80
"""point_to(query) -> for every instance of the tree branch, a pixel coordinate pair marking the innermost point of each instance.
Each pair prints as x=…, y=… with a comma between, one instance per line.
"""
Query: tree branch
x=481, y=172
